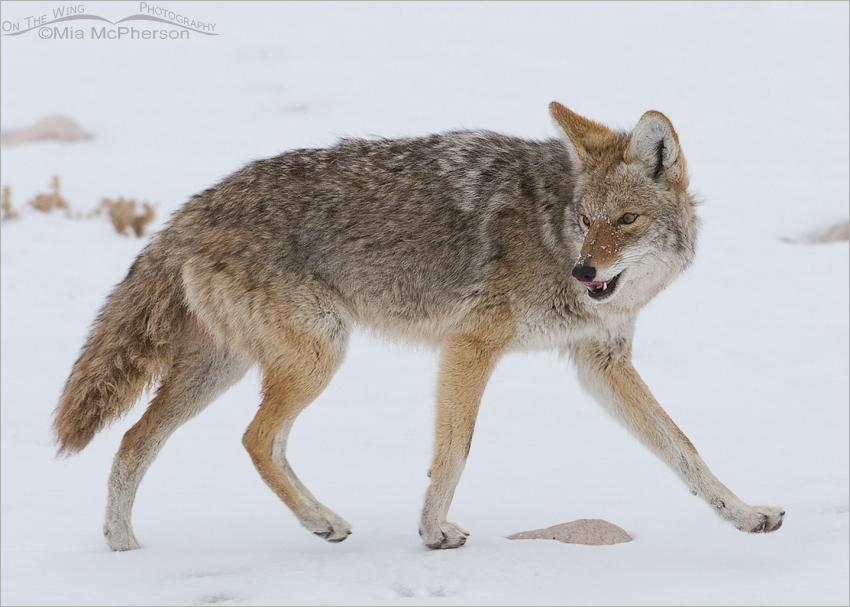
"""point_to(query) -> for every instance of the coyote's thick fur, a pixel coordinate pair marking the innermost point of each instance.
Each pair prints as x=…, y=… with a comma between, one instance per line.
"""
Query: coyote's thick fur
x=472, y=241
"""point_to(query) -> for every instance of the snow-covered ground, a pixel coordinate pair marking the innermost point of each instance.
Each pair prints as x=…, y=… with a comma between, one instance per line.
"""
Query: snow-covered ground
x=748, y=351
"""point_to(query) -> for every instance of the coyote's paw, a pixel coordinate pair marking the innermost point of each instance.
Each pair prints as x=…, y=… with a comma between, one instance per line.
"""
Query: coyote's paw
x=326, y=524
x=752, y=519
x=120, y=538
x=443, y=536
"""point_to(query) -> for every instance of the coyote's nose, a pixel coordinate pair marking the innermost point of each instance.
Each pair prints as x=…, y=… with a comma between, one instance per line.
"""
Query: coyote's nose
x=584, y=273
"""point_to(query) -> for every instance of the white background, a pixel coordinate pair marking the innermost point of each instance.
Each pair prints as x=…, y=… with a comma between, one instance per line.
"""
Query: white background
x=748, y=351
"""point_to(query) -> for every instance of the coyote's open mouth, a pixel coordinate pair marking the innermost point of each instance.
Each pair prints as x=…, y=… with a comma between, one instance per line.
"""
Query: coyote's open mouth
x=601, y=290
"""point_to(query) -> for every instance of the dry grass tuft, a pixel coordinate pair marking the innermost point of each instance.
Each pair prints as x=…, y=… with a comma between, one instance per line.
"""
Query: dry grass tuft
x=6, y=205
x=122, y=214
x=47, y=202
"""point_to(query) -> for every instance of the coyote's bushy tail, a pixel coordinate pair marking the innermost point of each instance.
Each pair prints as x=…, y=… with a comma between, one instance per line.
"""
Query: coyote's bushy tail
x=129, y=347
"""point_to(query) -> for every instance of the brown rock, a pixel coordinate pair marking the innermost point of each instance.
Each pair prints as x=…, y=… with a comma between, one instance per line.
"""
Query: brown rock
x=591, y=532
x=56, y=127
x=837, y=233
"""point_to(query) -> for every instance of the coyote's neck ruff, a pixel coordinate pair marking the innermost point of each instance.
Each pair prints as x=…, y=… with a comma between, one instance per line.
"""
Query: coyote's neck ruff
x=472, y=241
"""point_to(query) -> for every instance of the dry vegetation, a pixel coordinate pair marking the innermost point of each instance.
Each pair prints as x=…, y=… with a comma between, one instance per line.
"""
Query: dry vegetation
x=121, y=211
x=6, y=205
x=122, y=214
x=47, y=202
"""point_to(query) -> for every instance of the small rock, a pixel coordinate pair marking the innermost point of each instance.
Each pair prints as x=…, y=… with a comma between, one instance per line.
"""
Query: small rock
x=56, y=127
x=837, y=233
x=591, y=532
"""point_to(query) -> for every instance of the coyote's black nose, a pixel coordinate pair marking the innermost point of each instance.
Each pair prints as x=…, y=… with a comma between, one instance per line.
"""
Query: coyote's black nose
x=584, y=273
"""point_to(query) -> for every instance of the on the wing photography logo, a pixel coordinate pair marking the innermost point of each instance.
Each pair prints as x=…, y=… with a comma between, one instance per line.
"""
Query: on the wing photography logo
x=152, y=22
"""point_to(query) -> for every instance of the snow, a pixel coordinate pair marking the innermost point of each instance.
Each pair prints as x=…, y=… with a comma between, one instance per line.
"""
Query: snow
x=748, y=351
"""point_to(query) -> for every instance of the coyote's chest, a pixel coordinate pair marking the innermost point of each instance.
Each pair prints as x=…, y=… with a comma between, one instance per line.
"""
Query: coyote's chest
x=560, y=323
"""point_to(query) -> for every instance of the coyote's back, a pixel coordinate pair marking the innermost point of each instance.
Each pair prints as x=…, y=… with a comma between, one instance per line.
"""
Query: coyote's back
x=474, y=242
x=406, y=236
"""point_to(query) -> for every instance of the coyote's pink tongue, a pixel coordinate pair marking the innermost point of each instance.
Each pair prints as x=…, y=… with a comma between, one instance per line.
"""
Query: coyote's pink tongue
x=592, y=285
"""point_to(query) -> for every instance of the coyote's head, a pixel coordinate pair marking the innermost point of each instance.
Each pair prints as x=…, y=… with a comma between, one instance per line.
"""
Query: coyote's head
x=631, y=204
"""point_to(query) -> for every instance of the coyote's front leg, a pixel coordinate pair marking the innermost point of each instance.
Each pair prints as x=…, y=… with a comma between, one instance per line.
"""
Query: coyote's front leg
x=465, y=367
x=606, y=372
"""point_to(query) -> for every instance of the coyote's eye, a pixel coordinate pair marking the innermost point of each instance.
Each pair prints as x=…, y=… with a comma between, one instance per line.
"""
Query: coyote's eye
x=627, y=218
x=585, y=221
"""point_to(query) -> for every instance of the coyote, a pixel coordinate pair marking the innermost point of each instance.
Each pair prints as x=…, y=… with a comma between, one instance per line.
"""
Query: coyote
x=473, y=242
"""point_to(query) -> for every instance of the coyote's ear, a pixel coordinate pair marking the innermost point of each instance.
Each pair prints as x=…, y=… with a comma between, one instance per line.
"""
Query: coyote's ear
x=655, y=145
x=583, y=138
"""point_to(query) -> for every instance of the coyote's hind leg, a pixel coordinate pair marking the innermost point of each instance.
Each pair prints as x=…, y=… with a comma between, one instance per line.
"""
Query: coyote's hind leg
x=296, y=375
x=201, y=371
